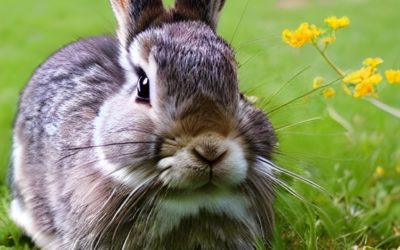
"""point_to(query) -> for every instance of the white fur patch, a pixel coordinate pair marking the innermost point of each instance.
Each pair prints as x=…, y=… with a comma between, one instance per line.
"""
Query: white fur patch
x=104, y=165
x=21, y=217
x=25, y=220
x=50, y=129
x=17, y=156
x=236, y=159
x=172, y=210
x=60, y=72
x=18, y=214
x=152, y=70
x=107, y=168
x=130, y=75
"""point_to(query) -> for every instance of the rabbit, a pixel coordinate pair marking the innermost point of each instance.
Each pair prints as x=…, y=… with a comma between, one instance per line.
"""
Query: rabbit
x=143, y=140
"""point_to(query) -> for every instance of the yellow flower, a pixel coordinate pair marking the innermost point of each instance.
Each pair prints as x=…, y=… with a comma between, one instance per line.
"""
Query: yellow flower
x=358, y=76
x=372, y=62
x=317, y=82
x=329, y=92
x=393, y=76
x=363, y=81
x=373, y=79
x=329, y=39
x=337, y=23
x=363, y=89
x=380, y=171
x=305, y=33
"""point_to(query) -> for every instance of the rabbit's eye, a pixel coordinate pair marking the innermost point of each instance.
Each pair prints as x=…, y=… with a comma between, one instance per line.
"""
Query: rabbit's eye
x=143, y=88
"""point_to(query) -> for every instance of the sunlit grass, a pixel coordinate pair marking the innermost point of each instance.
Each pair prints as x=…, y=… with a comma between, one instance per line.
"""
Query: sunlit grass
x=337, y=143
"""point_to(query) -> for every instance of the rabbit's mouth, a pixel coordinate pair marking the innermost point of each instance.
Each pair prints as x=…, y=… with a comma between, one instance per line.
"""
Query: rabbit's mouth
x=206, y=162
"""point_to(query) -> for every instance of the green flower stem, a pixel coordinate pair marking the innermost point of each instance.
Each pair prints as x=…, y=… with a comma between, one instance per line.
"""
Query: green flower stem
x=329, y=61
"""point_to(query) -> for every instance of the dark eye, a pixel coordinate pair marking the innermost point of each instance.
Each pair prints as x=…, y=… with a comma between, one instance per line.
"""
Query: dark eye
x=143, y=88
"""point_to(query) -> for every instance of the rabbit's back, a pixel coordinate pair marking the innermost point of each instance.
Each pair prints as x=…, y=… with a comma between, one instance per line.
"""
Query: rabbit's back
x=80, y=75
x=68, y=88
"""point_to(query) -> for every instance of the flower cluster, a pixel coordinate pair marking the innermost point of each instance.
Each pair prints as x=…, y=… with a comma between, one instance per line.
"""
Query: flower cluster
x=310, y=33
x=359, y=83
x=363, y=81
x=334, y=24
x=305, y=33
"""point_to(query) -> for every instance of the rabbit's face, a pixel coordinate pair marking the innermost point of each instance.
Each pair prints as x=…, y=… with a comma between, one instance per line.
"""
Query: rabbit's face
x=180, y=114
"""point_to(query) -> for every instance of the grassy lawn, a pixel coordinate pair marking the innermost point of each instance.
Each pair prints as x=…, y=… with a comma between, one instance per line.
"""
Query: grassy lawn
x=340, y=147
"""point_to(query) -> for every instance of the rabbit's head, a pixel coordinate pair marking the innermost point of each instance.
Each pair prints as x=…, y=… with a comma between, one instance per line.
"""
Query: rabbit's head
x=180, y=124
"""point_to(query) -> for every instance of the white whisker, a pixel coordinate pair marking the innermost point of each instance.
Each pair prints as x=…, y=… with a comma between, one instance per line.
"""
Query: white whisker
x=138, y=214
x=283, y=185
x=291, y=174
x=121, y=207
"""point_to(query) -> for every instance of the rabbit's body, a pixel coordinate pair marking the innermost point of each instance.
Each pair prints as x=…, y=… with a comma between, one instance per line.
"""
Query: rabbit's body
x=143, y=143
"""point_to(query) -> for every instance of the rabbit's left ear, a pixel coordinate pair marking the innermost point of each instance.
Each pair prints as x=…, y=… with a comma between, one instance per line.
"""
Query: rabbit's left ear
x=134, y=16
x=202, y=10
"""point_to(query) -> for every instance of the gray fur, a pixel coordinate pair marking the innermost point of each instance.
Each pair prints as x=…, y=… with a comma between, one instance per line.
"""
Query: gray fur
x=60, y=181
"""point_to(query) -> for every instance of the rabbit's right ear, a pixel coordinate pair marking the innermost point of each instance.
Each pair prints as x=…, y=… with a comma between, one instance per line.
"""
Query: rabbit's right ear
x=134, y=16
x=202, y=10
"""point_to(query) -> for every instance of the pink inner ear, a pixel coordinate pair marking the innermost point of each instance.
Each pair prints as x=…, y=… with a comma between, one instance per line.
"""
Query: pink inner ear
x=123, y=4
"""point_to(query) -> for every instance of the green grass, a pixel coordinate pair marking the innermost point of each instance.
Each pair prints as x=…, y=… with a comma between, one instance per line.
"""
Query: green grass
x=359, y=208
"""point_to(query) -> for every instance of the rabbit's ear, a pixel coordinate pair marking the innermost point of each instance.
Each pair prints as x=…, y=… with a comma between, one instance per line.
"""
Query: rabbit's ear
x=204, y=10
x=134, y=16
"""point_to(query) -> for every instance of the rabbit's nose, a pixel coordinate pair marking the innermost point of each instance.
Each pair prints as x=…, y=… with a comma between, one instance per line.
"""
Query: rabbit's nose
x=210, y=148
x=208, y=155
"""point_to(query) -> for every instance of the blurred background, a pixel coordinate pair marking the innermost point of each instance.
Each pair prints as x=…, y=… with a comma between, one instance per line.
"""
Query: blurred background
x=346, y=145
